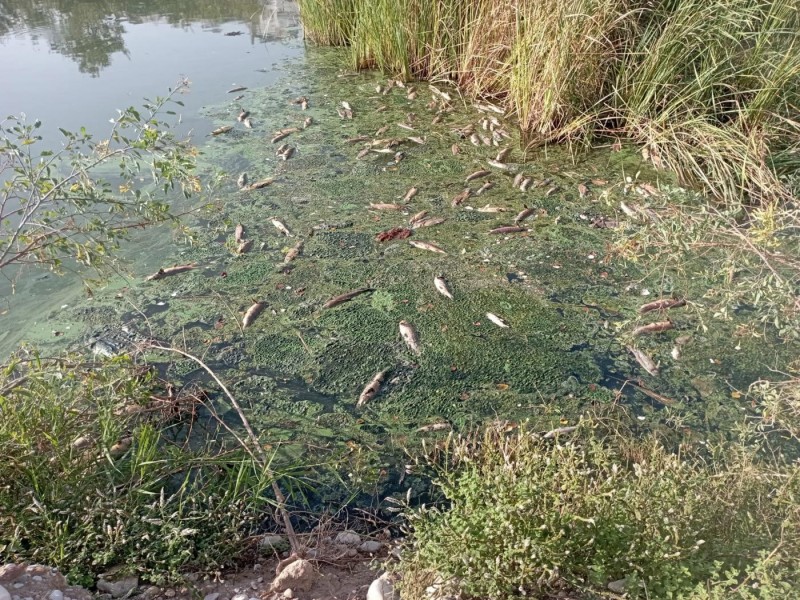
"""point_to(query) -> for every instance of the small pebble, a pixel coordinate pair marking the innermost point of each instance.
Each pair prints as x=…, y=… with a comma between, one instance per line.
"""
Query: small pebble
x=170, y=593
x=37, y=578
x=240, y=597
x=213, y=596
x=18, y=585
x=56, y=595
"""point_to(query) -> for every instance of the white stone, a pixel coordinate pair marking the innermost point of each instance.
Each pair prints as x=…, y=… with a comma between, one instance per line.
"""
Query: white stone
x=299, y=575
x=288, y=593
x=213, y=596
x=56, y=595
x=381, y=589
x=348, y=538
x=370, y=547
x=240, y=597
x=4, y=595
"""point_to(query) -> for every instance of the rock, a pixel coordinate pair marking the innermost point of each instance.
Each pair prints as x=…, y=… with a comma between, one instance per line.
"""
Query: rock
x=11, y=571
x=381, y=589
x=299, y=575
x=273, y=543
x=348, y=538
x=18, y=585
x=288, y=593
x=56, y=595
x=213, y=596
x=169, y=593
x=118, y=588
x=240, y=597
x=37, y=578
x=151, y=592
x=370, y=547
x=4, y=595
x=620, y=586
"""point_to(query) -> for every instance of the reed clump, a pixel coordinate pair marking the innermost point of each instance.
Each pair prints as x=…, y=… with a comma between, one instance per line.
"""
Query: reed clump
x=708, y=88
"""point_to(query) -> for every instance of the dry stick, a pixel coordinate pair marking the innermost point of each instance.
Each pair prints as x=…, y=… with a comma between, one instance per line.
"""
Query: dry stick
x=262, y=457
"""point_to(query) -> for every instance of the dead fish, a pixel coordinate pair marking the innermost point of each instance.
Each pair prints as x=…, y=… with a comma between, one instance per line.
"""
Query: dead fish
x=656, y=327
x=382, y=150
x=437, y=119
x=478, y=174
x=398, y=156
x=426, y=246
x=238, y=98
x=385, y=206
x=440, y=283
x=168, y=271
x=518, y=179
x=346, y=105
x=488, y=106
x=379, y=89
x=348, y=114
x=429, y=222
x=410, y=194
x=486, y=186
x=491, y=209
x=486, y=140
x=524, y=214
x=221, y=130
x=372, y=388
x=242, y=181
x=337, y=300
x=280, y=135
x=418, y=217
x=416, y=140
x=288, y=153
x=434, y=427
x=304, y=104
x=252, y=313
x=633, y=214
x=440, y=93
x=293, y=253
x=551, y=191
x=281, y=226
x=247, y=123
x=243, y=114
x=382, y=130
x=459, y=199
x=244, y=246
x=121, y=447
x=308, y=121
x=261, y=183
x=508, y=229
x=499, y=321
x=662, y=304
x=405, y=126
x=526, y=183
x=363, y=153
x=281, y=149
x=559, y=431
x=241, y=88
x=644, y=360
x=412, y=95
x=503, y=155
x=679, y=342
x=475, y=140
x=498, y=165
x=455, y=149
x=238, y=233
x=410, y=336
x=583, y=191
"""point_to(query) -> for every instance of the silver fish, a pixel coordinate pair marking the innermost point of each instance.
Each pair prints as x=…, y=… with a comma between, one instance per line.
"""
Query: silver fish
x=429, y=222
x=518, y=178
x=418, y=217
x=526, y=183
x=281, y=149
x=248, y=123
x=434, y=427
x=288, y=153
x=498, y=165
x=491, y=209
x=385, y=206
x=337, y=300
x=242, y=181
x=644, y=360
x=221, y=130
x=499, y=321
x=372, y=388
x=238, y=233
x=410, y=337
x=293, y=253
x=244, y=246
x=166, y=272
x=416, y=140
x=486, y=186
x=243, y=114
x=252, y=313
x=459, y=199
x=475, y=140
x=308, y=121
x=281, y=226
x=346, y=105
x=478, y=174
x=426, y=246
x=503, y=155
x=524, y=214
x=410, y=194
x=440, y=283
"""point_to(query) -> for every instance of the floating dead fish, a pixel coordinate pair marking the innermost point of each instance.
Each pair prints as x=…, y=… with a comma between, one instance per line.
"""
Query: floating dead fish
x=632, y=213
x=488, y=106
x=238, y=233
x=498, y=165
x=429, y=222
x=405, y=126
x=455, y=149
x=242, y=181
x=662, y=304
x=437, y=119
x=244, y=246
x=478, y=174
x=679, y=343
x=396, y=233
x=372, y=388
x=526, y=183
x=412, y=95
x=304, y=104
x=299, y=100
x=508, y=229
x=486, y=140
x=416, y=140
x=486, y=186
x=440, y=93
x=346, y=105
x=491, y=209
x=583, y=191
x=281, y=226
x=398, y=156
x=238, y=98
x=308, y=121
x=337, y=300
x=440, y=283
x=261, y=183
x=379, y=89
x=293, y=253
x=363, y=153
x=280, y=135
x=409, y=334
x=644, y=360
x=475, y=140
x=499, y=321
x=434, y=427
x=410, y=194
x=382, y=130
x=559, y=431
x=656, y=327
x=426, y=246
x=252, y=313
x=241, y=88
x=221, y=130
x=503, y=155
x=281, y=149
x=518, y=179
x=168, y=271
x=243, y=114
x=460, y=198
x=288, y=153
x=247, y=123
x=418, y=217
x=385, y=206
x=551, y=191
x=524, y=214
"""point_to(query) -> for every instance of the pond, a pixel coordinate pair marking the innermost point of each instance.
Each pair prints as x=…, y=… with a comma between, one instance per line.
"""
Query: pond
x=540, y=321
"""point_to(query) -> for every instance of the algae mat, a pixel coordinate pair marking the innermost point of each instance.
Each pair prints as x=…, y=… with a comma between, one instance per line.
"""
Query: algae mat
x=569, y=304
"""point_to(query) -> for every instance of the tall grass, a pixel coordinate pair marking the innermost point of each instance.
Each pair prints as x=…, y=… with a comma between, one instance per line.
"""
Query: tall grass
x=711, y=88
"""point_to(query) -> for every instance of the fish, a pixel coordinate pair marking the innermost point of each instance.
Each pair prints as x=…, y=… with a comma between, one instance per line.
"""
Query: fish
x=288, y=153
x=478, y=174
x=644, y=360
x=239, y=97
x=240, y=88
x=429, y=222
x=440, y=283
x=168, y=271
x=410, y=194
x=221, y=130
x=238, y=233
x=418, y=217
x=551, y=191
x=385, y=206
x=261, y=183
x=488, y=106
x=632, y=213
x=308, y=121
x=475, y=140
x=679, y=342
x=281, y=226
x=491, y=209
x=304, y=104
x=499, y=321
x=406, y=126
x=372, y=388
x=346, y=105
x=656, y=327
x=486, y=140
x=559, y=431
x=382, y=130
x=526, y=183
x=279, y=135
x=426, y=246
x=434, y=427
x=409, y=334
x=486, y=186
x=363, y=153
x=243, y=114
x=395, y=233
x=244, y=246
x=412, y=95
x=524, y=214
x=518, y=179
x=416, y=140
x=455, y=149
x=459, y=199
x=503, y=155
x=293, y=253
x=583, y=191
x=247, y=123
x=437, y=119
x=337, y=300
x=443, y=95
x=252, y=313
x=379, y=89
x=398, y=156
x=281, y=149
x=242, y=181
x=498, y=165
x=662, y=304
x=508, y=229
